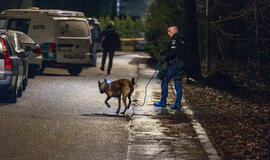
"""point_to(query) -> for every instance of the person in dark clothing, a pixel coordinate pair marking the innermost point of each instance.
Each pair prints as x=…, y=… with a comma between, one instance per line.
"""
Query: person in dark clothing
x=110, y=42
x=174, y=62
x=95, y=39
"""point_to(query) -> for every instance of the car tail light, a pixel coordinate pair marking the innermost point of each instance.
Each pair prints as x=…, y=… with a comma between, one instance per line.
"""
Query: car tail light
x=37, y=51
x=8, y=60
x=52, y=47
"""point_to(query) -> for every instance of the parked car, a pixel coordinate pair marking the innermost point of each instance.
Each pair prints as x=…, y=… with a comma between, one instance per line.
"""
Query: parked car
x=140, y=43
x=32, y=49
x=22, y=41
x=11, y=69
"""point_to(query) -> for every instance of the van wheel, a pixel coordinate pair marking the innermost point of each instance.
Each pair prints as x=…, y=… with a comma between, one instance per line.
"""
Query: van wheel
x=74, y=70
x=42, y=68
x=32, y=72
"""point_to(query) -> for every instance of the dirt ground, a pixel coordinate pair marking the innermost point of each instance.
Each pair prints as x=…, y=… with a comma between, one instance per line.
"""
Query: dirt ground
x=236, y=120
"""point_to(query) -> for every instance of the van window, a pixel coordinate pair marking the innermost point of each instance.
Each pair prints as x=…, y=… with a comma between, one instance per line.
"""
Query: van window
x=2, y=23
x=19, y=25
x=73, y=29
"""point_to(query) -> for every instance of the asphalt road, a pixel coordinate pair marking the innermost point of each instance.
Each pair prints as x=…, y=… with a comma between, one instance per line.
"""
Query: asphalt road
x=64, y=117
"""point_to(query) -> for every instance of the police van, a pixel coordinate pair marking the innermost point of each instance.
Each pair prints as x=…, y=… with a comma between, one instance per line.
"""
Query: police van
x=64, y=36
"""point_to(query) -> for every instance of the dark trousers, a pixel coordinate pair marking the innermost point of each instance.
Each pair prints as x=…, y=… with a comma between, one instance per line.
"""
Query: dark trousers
x=173, y=71
x=111, y=54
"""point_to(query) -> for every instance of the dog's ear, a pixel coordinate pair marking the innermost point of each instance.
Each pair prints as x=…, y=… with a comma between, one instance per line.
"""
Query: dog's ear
x=98, y=82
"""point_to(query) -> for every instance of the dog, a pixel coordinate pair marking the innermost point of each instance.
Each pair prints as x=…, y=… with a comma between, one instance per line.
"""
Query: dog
x=121, y=87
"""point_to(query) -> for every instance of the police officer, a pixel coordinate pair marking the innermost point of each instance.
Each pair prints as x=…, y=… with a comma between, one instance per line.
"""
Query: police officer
x=174, y=60
x=110, y=42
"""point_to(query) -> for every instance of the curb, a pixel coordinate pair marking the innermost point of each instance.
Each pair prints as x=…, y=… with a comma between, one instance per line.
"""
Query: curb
x=138, y=151
x=202, y=136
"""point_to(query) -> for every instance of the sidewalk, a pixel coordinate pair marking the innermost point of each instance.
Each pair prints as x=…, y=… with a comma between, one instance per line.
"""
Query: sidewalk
x=157, y=133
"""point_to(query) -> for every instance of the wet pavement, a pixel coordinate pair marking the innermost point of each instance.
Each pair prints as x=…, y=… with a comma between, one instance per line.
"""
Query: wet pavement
x=64, y=117
x=157, y=133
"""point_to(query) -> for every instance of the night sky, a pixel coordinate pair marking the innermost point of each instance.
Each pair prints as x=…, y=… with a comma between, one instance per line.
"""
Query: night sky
x=89, y=7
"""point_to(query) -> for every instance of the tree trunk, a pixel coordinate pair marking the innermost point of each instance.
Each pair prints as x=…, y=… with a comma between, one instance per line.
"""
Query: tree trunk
x=193, y=68
x=209, y=35
x=114, y=9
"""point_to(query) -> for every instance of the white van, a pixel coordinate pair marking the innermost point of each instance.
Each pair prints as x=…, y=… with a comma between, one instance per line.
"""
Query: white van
x=64, y=36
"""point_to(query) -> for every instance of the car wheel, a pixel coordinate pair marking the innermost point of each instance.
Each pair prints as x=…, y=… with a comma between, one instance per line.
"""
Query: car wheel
x=24, y=84
x=19, y=94
x=74, y=70
x=13, y=95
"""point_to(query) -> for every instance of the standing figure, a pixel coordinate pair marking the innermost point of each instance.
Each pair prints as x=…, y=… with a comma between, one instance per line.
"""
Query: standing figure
x=95, y=39
x=110, y=42
x=174, y=61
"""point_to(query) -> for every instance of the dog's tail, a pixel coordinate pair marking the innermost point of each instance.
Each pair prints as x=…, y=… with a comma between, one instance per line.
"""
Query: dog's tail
x=133, y=81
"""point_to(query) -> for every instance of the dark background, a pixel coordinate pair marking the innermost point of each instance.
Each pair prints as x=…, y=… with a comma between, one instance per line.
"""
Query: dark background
x=97, y=8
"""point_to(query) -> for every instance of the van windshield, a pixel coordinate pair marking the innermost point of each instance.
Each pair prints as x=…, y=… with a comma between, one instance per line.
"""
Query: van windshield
x=73, y=29
x=2, y=23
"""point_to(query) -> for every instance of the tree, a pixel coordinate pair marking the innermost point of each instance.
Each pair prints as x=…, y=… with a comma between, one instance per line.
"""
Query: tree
x=125, y=26
x=239, y=40
x=160, y=15
x=191, y=34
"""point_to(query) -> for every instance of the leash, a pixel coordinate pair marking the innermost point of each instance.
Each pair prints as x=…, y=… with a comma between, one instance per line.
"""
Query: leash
x=145, y=89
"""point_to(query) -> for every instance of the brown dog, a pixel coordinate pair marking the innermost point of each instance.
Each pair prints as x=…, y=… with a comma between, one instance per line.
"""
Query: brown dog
x=121, y=87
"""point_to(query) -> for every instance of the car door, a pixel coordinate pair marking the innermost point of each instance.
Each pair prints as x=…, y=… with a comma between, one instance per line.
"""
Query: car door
x=23, y=55
x=15, y=40
x=17, y=62
x=2, y=62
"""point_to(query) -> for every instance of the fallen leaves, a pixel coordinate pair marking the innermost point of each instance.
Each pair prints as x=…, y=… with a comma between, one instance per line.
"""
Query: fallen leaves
x=236, y=122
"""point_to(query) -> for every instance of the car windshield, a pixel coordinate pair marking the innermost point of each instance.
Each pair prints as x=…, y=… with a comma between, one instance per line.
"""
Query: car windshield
x=73, y=29
x=23, y=38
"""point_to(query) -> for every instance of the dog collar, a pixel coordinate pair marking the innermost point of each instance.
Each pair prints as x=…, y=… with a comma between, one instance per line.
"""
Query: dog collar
x=108, y=82
x=105, y=87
